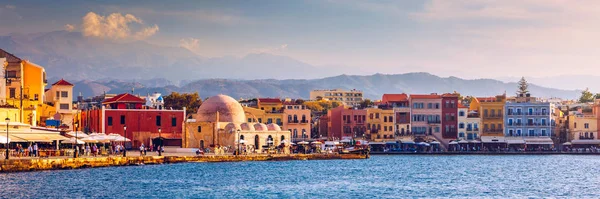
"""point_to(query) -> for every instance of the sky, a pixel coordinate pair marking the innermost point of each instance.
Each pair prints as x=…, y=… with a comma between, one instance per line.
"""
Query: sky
x=468, y=39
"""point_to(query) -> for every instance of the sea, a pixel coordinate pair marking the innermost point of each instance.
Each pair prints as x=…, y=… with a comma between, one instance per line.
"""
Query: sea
x=381, y=176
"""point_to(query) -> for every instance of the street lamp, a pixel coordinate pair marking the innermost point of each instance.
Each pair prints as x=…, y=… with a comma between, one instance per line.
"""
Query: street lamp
x=238, y=148
x=159, y=146
x=124, y=140
x=77, y=147
x=7, y=121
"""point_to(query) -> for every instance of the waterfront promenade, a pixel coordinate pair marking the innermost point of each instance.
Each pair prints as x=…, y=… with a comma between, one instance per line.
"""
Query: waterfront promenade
x=62, y=162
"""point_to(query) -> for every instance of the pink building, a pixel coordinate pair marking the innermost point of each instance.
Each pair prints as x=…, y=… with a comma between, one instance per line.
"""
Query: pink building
x=347, y=123
x=426, y=113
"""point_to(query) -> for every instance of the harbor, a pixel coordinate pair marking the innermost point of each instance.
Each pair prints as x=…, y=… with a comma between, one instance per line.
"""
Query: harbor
x=61, y=163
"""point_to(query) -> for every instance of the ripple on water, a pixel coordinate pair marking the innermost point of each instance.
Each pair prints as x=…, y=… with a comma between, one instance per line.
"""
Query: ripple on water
x=381, y=176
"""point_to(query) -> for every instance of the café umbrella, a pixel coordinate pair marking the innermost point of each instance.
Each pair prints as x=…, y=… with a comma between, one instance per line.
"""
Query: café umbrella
x=73, y=141
x=4, y=140
x=303, y=142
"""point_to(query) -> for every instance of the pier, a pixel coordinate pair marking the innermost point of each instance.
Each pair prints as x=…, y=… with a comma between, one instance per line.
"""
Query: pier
x=40, y=164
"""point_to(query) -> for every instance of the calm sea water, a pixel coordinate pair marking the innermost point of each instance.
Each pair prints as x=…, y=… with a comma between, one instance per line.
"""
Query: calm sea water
x=381, y=176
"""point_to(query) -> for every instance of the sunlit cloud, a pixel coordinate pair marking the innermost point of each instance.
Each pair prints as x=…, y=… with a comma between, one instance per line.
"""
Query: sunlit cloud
x=69, y=27
x=115, y=26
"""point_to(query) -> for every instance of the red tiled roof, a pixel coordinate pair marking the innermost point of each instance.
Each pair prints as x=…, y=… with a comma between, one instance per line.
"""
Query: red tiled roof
x=430, y=96
x=125, y=97
x=460, y=105
x=394, y=98
x=269, y=100
x=450, y=95
x=62, y=82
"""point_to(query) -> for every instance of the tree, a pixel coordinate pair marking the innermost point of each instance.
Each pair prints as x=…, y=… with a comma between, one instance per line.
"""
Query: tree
x=522, y=87
x=586, y=96
x=321, y=105
x=191, y=101
x=366, y=103
x=597, y=96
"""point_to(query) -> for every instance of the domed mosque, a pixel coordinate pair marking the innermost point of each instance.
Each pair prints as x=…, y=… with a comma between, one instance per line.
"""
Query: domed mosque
x=221, y=121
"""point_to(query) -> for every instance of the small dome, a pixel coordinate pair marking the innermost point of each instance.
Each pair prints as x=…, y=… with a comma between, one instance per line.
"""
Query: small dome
x=229, y=110
x=273, y=127
x=247, y=127
x=260, y=127
x=232, y=127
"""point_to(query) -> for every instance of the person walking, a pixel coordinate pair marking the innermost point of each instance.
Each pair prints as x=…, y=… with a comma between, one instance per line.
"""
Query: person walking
x=35, y=150
x=30, y=150
x=142, y=150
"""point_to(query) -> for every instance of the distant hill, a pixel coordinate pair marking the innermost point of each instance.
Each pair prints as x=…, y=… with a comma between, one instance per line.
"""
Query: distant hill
x=72, y=56
x=373, y=86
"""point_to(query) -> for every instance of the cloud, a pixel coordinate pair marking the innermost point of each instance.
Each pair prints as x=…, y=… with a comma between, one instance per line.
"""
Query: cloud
x=69, y=27
x=12, y=7
x=191, y=44
x=115, y=26
x=277, y=49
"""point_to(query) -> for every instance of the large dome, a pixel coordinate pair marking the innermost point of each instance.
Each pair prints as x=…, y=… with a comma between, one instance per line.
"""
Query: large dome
x=229, y=110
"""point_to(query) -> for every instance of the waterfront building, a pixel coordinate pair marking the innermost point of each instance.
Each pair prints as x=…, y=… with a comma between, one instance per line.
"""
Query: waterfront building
x=490, y=111
x=350, y=98
x=297, y=119
x=60, y=97
x=143, y=123
x=468, y=123
x=583, y=127
x=25, y=88
x=221, y=121
x=347, y=123
x=528, y=121
x=449, y=113
x=426, y=115
x=401, y=106
x=380, y=123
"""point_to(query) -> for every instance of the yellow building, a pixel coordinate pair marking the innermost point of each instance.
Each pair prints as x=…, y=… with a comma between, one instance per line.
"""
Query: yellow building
x=490, y=111
x=380, y=124
x=25, y=87
x=60, y=97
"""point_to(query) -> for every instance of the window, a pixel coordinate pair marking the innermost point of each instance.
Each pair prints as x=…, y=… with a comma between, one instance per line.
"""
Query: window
x=385, y=119
x=575, y=125
x=64, y=94
x=543, y=132
x=122, y=119
x=376, y=115
x=586, y=125
x=109, y=121
x=531, y=132
x=461, y=114
x=429, y=105
x=64, y=106
x=158, y=120
x=12, y=92
x=11, y=74
x=259, y=120
x=510, y=121
x=173, y=121
x=36, y=97
x=510, y=132
x=518, y=132
x=269, y=120
x=384, y=128
x=461, y=125
x=199, y=129
x=278, y=121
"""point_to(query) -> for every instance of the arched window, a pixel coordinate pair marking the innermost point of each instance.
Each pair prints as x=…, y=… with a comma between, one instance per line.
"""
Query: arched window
x=241, y=137
x=282, y=138
x=303, y=118
x=304, y=133
x=378, y=126
x=256, y=142
x=295, y=119
x=289, y=118
x=295, y=134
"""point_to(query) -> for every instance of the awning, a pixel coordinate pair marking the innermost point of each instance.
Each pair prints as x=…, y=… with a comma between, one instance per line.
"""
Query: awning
x=492, y=139
x=453, y=142
x=475, y=142
x=374, y=143
x=585, y=142
x=567, y=144
x=407, y=141
x=36, y=137
x=515, y=140
x=463, y=142
x=539, y=141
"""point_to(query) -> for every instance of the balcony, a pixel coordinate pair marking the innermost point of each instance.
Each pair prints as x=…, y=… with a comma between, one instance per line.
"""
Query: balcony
x=433, y=122
x=492, y=116
x=586, y=138
x=303, y=121
x=500, y=130
x=472, y=129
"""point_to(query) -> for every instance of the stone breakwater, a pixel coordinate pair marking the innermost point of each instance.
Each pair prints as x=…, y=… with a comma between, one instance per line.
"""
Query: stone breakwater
x=22, y=165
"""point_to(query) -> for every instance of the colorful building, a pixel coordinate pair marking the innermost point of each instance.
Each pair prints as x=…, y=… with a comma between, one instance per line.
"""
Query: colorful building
x=221, y=121
x=491, y=114
x=468, y=124
x=347, y=123
x=143, y=124
x=528, y=121
x=426, y=115
x=350, y=98
x=380, y=124
x=401, y=106
x=449, y=117
x=60, y=98
x=297, y=119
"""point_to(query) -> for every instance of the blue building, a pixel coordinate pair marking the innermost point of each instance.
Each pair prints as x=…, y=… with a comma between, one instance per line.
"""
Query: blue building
x=528, y=122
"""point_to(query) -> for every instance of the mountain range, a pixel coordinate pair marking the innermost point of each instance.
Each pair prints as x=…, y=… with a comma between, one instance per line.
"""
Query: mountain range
x=99, y=65
x=373, y=86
